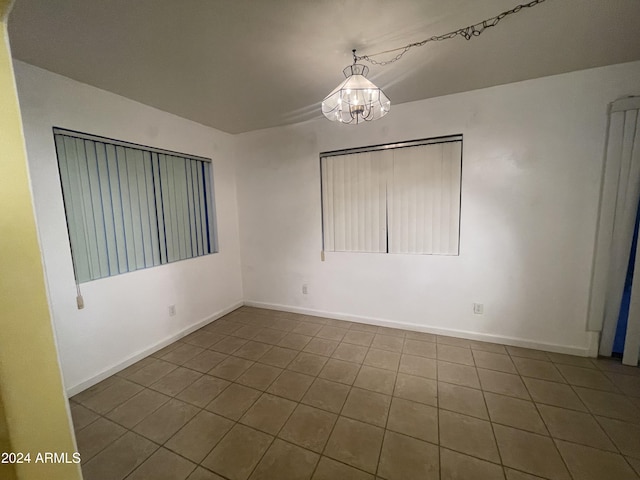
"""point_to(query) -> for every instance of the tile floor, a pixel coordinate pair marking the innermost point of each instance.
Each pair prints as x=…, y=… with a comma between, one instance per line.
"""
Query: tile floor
x=261, y=394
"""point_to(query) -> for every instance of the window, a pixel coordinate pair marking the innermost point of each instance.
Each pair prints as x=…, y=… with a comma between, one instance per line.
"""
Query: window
x=400, y=198
x=130, y=207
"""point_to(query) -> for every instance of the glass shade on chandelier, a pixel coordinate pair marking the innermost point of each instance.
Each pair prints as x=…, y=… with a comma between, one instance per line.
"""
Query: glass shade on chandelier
x=355, y=100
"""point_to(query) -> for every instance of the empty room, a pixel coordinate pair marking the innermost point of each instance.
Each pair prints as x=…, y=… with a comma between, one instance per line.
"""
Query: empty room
x=319, y=240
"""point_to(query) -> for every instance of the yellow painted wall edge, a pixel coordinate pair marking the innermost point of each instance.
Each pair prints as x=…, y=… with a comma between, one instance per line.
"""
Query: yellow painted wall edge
x=35, y=405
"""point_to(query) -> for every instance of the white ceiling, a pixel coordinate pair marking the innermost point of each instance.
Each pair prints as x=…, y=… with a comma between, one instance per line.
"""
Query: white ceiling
x=241, y=65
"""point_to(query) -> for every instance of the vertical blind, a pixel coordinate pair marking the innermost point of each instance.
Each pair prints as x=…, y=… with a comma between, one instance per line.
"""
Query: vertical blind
x=393, y=200
x=129, y=207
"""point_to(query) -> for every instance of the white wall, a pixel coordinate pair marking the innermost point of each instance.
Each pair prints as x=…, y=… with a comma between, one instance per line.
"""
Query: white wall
x=126, y=316
x=530, y=189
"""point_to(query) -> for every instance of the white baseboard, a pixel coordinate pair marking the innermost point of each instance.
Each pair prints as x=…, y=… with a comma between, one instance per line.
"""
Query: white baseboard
x=148, y=351
x=583, y=351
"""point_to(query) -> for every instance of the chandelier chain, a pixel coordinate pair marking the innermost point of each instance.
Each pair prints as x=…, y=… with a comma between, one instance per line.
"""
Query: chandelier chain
x=467, y=33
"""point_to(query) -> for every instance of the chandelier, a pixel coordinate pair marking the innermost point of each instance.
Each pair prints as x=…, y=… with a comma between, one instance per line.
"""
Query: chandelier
x=358, y=100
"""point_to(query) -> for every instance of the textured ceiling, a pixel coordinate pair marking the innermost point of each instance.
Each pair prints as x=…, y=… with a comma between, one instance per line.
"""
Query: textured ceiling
x=241, y=65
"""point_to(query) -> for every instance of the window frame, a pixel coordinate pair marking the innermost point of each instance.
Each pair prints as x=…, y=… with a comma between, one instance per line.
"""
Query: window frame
x=207, y=190
x=391, y=146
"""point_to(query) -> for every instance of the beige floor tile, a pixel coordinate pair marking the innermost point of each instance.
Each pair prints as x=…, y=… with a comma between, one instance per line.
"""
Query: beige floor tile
x=350, y=353
x=614, y=365
x=202, y=338
x=487, y=347
x=393, y=332
x=462, y=400
x=453, y=341
x=575, y=427
x=387, y=342
x=456, y=466
x=134, y=410
x=119, y=459
x=503, y=383
x=309, y=427
x=238, y=452
x=163, y=351
x=270, y=336
x=382, y=359
x=182, y=354
x=81, y=416
x=268, y=414
x=307, y=328
x=234, y=401
x=527, y=353
x=625, y=435
x=163, y=465
x=152, y=372
x=417, y=389
x=284, y=461
x=321, y=346
x=340, y=371
x=202, y=474
x=363, y=327
x=586, y=377
x=114, y=395
x=421, y=336
x=291, y=385
x=516, y=475
x=468, y=435
x=166, y=420
x=417, y=347
x=608, y=404
x=326, y=395
x=228, y=345
x=458, y=374
x=588, y=463
x=176, y=381
x=247, y=331
x=231, y=368
x=515, y=412
x=252, y=350
x=574, y=360
x=413, y=419
x=494, y=361
x=278, y=357
x=358, y=338
x=203, y=391
x=450, y=353
x=406, y=458
x=332, y=333
x=259, y=376
x=96, y=436
x=419, y=366
x=376, y=379
x=329, y=469
x=627, y=384
x=529, y=367
x=530, y=452
x=295, y=341
x=308, y=363
x=355, y=443
x=198, y=437
x=552, y=393
x=635, y=463
x=367, y=406
x=205, y=361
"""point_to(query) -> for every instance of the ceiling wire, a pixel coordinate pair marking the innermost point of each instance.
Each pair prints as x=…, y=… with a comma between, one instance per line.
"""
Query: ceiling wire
x=467, y=33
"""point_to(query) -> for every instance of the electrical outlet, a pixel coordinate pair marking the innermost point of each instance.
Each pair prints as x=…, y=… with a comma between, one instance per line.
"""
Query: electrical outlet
x=172, y=310
x=478, y=308
x=305, y=288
